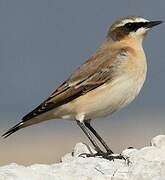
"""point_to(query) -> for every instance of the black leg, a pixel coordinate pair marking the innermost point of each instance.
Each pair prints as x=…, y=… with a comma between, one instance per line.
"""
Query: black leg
x=87, y=124
x=87, y=133
x=109, y=154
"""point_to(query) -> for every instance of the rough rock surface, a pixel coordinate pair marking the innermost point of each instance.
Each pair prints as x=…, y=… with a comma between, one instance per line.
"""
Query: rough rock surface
x=147, y=163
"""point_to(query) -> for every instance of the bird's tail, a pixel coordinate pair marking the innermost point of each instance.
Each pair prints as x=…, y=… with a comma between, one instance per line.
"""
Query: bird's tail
x=13, y=130
x=24, y=123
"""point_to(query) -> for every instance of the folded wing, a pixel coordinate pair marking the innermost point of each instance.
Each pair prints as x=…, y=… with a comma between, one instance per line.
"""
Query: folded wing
x=97, y=70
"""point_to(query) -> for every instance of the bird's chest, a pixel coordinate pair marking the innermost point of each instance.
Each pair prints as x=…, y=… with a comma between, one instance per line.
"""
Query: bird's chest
x=114, y=97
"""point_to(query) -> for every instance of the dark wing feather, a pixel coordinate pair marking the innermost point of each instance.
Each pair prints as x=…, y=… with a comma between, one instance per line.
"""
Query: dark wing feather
x=94, y=72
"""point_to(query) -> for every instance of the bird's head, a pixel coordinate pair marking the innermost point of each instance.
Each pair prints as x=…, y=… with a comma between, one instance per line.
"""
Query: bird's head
x=130, y=26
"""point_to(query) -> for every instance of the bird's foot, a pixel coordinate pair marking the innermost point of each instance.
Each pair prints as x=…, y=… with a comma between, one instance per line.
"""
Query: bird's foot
x=99, y=153
x=107, y=155
x=112, y=157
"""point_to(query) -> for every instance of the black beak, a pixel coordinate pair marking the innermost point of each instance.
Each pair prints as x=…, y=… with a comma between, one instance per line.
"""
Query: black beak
x=151, y=24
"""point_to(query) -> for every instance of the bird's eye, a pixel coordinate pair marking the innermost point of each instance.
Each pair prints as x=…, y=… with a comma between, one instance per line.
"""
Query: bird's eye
x=128, y=25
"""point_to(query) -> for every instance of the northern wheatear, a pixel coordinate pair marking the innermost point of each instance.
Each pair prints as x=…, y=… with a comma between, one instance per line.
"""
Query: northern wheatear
x=108, y=81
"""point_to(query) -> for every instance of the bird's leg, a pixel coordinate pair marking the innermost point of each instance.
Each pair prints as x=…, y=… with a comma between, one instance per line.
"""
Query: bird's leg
x=87, y=133
x=87, y=124
x=107, y=155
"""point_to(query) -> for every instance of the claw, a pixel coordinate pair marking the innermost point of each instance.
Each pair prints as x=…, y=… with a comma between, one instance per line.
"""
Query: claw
x=99, y=153
x=108, y=156
x=85, y=155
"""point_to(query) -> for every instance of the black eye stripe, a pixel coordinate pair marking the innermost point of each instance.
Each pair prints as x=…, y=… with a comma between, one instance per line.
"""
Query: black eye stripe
x=134, y=26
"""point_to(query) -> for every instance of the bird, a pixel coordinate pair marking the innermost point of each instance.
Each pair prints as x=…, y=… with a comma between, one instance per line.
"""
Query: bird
x=110, y=79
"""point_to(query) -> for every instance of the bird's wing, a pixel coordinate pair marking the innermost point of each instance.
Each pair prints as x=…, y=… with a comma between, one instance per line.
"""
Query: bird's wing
x=96, y=71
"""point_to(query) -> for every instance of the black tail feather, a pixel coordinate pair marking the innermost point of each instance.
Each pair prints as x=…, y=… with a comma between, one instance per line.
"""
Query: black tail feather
x=12, y=130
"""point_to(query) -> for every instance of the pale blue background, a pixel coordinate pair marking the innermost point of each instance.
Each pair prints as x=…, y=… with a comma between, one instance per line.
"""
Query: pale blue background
x=41, y=43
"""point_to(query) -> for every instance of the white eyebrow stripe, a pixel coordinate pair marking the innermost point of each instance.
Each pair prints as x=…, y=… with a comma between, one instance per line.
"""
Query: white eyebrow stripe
x=125, y=21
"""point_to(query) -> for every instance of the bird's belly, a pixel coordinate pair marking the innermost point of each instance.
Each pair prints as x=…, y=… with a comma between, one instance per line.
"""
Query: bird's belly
x=104, y=100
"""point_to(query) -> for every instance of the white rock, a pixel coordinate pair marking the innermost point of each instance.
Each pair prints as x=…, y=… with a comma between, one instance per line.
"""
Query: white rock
x=158, y=141
x=79, y=150
x=147, y=163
